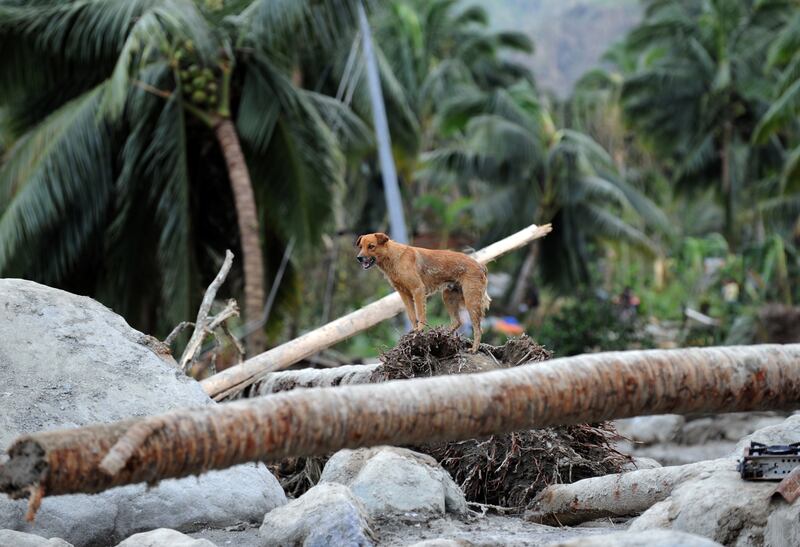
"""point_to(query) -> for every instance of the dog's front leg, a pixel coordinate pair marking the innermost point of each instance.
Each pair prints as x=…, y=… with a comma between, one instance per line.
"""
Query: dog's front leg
x=420, y=303
x=408, y=302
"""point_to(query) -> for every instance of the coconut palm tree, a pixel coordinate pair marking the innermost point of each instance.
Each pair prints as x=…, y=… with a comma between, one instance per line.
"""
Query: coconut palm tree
x=111, y=106
x=522, y=169
x=699, y=89
x=780, y=121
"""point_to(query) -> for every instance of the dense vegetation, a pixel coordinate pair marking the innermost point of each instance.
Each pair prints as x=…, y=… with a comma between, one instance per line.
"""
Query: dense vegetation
x=673, y=170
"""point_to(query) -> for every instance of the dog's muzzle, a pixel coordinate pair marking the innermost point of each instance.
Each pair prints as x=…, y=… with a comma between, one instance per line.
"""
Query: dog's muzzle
x=366, y=261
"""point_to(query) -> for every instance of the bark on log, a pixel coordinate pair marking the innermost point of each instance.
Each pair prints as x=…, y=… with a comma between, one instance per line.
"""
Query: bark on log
x=236, y=378
x=618, y=495
x=572, y=390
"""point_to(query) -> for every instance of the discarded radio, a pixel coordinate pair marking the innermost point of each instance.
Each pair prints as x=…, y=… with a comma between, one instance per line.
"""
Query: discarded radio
x=769, y=463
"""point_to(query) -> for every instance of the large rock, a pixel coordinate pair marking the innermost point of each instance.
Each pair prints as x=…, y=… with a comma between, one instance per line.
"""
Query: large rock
x=12, y=538
x=327, y=514
x=786, y=432
x=396, y=482
x=675, y=440
x=727, y=427
x=69, y=361
x=651, y=429
x=441, y=542
x=718, y=504
x=164, y=537
x=653, y=538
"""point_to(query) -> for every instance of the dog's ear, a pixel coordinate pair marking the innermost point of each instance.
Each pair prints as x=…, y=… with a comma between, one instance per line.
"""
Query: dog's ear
x=358, y=241
x=381, y=238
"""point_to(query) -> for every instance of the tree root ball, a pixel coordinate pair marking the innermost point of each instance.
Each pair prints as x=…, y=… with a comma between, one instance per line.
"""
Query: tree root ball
x=505, y=470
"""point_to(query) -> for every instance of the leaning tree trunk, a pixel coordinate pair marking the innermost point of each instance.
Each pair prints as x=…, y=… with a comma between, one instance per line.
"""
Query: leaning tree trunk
x=306, y=422
x=247, y=216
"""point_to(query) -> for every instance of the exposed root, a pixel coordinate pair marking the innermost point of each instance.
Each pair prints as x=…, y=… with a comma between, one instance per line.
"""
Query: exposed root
x=438, y=351
x=297, y=475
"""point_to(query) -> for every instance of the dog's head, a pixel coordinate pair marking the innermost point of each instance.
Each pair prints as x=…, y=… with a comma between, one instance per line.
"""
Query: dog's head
x=371, y=248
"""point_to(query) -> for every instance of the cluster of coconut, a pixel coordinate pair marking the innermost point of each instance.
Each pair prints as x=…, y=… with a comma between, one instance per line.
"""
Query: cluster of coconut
x=199, y=84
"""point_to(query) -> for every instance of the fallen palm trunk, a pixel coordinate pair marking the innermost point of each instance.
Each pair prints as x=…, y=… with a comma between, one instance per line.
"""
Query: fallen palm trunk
x=618, y=495
x=236, y=378
x=583, y=389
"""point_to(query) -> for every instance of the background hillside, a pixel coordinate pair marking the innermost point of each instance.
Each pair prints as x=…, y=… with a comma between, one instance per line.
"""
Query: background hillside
x=570, y=35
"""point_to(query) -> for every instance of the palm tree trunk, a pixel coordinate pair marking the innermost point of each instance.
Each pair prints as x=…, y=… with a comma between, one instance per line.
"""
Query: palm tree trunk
x=727, y=183
x=247, y=216
x=573, y=390
x=524, y=277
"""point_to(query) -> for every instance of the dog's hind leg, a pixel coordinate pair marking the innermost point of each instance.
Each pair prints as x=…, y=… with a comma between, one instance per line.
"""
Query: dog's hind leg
x=453, y=300
x=474, y=292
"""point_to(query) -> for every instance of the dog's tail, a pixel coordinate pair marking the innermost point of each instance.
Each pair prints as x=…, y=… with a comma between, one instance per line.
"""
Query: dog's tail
x=486, y=301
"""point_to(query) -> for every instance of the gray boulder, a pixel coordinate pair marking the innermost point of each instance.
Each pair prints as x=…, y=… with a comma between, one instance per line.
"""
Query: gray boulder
x=164, y=537
x=651, y=429
x=786, y=432
x=327, y=514
x=69, y=361
x=653, y=538
x=783, y=525
x=12, y=538
x=396, y=482
x=441, y=542
x=718, y=504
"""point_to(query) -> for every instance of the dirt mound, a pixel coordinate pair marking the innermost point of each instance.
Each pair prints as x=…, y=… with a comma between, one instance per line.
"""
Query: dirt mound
x=506, y=470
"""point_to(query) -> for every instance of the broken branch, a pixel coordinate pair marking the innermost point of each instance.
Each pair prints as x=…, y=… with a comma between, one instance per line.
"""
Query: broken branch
x=179, y=328
x=201, y=324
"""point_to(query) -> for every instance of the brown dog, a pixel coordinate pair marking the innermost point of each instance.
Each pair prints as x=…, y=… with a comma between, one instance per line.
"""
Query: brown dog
x=416, y=273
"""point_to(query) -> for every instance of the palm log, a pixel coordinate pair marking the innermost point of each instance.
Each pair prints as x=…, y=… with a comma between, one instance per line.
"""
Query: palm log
x=307, y=422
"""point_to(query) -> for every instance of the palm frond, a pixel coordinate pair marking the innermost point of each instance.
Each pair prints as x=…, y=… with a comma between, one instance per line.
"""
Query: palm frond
x=274, y=25
x=784, y=107
x=786, y=43
x=350, y=131
x=293, y=178
x=606, y=224
x=153, y=202
x=790, y=174
x=514, y=41
x=472, y=14
x=56, y=169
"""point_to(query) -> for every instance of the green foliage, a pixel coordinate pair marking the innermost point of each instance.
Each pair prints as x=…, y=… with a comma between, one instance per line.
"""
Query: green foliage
x=106, y=172
x=111, y=183
x=587, y=324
